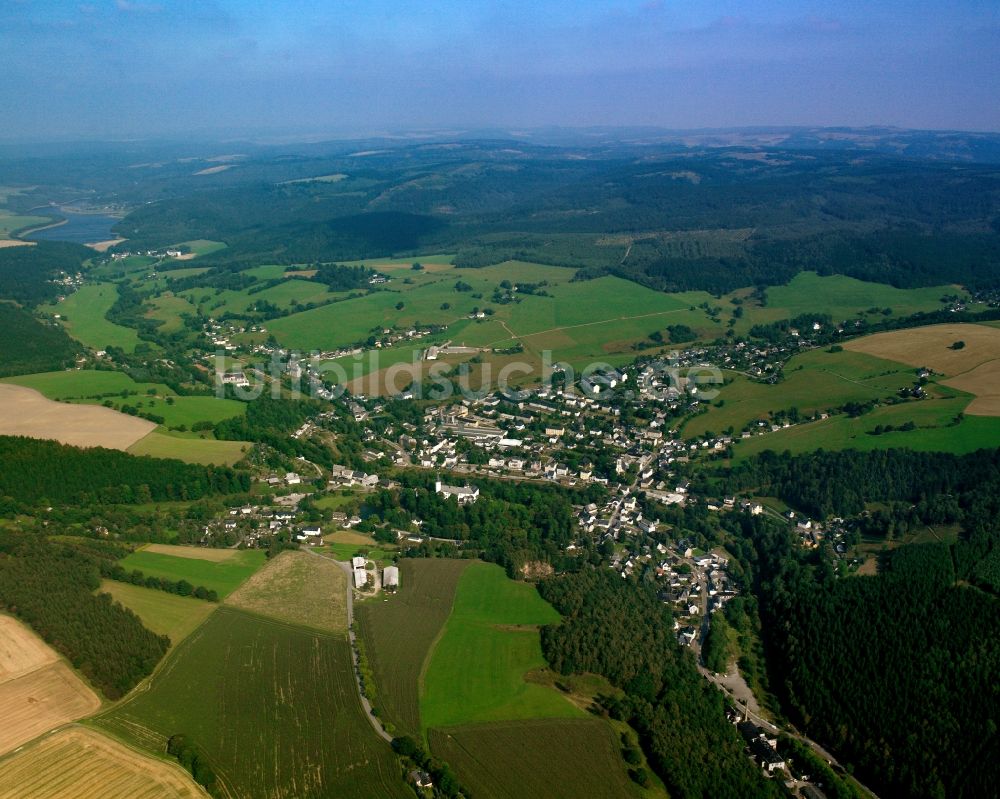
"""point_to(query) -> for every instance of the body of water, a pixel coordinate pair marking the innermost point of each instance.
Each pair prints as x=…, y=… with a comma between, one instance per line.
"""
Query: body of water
x=78, y=228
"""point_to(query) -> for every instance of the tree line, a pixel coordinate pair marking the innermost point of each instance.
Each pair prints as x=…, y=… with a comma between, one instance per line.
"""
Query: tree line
x=51, y=587
x=36, y=470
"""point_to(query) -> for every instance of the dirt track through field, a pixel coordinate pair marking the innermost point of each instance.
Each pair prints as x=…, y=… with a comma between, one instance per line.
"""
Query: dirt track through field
x=25, y=412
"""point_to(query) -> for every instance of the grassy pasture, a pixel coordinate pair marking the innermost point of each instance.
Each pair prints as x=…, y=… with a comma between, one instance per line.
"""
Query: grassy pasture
x=936, y=431
x=170, y=309
x=84, y=313
x=537, y=759
x=223, y=576
x=190, y=449
x=814, y=381
x=300, y=588
x=477, y=670
x=163, y=613
x=11, y=223
x=78, y=763
x=400, y=632
x=273, y=707
x=200, y=247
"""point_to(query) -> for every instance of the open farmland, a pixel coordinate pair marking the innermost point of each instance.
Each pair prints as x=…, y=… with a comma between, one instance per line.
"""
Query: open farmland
x=222, y=576
x=537, y=759
x=300, y=588
x=25, y=412
x=814, y=381
x=165, y=614
x=476, y=671
x=931, y=346
x=78, y=763
x=273, y=707
x=400, y=632
x=191, y=449
x=38, y=692
x=91, y=386
x=938, y=429
x=84, y=315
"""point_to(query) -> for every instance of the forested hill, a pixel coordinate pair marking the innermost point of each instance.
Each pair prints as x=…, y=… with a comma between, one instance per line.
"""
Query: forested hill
x=26, y=273
x=670, y=217
x=29, y=345
x=32, y=470
x=621, y=631
x=896, y=674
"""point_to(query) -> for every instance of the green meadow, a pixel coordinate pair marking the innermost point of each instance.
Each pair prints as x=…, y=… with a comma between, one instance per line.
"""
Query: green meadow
x=12, y=223
x=190, y=448
x=814, y=381
x=476, y=672
x=937, y=430
x=163, y=613
x=222, y=576
x=84, y=315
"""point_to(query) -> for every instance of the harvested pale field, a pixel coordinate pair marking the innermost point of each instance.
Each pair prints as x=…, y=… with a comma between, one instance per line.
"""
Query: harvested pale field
x=984, y=382
x=300, y=588
x=77, y=763
x=25, y=412
x=15, y=243
x=104, y=246
x=21, y=651
x=197, y=553
x=931, y=346
x=42, y=700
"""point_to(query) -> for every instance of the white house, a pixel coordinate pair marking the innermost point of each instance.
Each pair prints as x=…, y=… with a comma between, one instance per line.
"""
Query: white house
x=464, y=494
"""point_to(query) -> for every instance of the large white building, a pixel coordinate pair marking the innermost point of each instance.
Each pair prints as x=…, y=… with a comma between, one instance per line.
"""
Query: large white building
x=464, y=494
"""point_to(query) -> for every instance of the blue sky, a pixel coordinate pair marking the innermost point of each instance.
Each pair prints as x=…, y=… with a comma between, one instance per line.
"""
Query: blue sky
x=151, y=67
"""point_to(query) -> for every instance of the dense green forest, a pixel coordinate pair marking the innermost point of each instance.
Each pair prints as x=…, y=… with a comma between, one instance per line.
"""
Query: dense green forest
x=31, y=346
x=621, y=631
x=26, y=273
x=511, y=523
x=895, y=673
x=35, y=471
x=51, y=587
x=733, y=221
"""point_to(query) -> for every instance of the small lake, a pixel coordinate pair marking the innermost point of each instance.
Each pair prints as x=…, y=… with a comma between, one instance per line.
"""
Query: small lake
x=78, y=228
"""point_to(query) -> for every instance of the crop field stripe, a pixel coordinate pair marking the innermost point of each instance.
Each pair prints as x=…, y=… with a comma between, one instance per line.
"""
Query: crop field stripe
x=401, y=633
x=273, y=706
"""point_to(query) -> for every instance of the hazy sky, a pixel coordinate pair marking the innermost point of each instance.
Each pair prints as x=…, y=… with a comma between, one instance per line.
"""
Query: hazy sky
x=148, y=67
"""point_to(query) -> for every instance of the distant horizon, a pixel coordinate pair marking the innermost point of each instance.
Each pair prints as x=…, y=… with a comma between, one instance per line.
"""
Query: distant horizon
x=149, y=68
x=402, y=136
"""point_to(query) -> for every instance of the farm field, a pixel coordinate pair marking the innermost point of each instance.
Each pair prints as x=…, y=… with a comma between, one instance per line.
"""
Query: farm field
x=21, y=651
x=165, y=614
x=300, y=588
x=814, y=381
x=11, y=223
x=197, y=553
x=931, y=346
x=170, y=310
x=537, y=759
x=192, y=449
x=936, y=431
x=38, y=692
x=93, y=386
x=84, y=318
x=222, y=576
x=25, y=412
x=984, y=383
x=200, y=247
x=273, y=707
x=400, y=632
x=490, y=641
x=78, y=763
